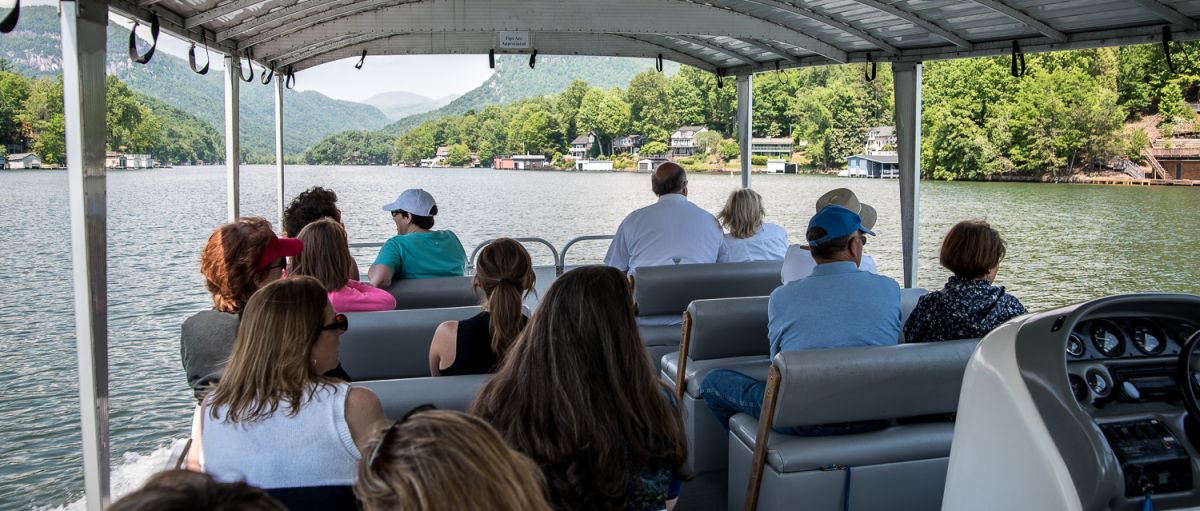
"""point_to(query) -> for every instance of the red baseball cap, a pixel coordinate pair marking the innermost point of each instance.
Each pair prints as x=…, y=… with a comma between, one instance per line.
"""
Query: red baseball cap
x=279, y=247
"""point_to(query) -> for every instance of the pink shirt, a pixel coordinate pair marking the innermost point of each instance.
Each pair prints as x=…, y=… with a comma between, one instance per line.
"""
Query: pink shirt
x=357, y=296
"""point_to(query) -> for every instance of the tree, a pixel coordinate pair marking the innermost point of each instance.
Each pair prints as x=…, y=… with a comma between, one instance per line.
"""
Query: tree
x=604, y=112
x=650, y=109
x=43, y=122
x=729, y=150
x=654, y=148
x=458, y=155
x=529, y=130
x=708, y=142
x=14, y=91
x=566, y=106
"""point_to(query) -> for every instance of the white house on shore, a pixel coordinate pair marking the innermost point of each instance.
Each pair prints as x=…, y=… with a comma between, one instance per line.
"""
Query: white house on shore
x=23, y=161
x=683, y=141
x=878, y=138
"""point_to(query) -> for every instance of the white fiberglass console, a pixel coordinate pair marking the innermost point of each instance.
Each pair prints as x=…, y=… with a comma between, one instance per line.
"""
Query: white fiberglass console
x=1082, y=408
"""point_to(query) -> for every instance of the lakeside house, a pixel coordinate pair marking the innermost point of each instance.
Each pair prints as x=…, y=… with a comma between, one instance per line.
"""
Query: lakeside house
x=117, y=160
x=628, y=144
x=593, y=165
x=650, y=163
x=878, y=138
x=521, y=162
x=772, y=147
x=874, y=165
x=22, y=161
x=582, y=144
x=683, y=141
x=1180, y=162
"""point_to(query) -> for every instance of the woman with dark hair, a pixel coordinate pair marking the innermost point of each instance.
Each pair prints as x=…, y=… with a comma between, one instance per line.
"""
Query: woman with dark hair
x=504, y=272
x=184, y=490
x=274, y=420
x=577, y=395
x=311, y=205
x=239, y=258
x=417, y=251
x=969, y=306
x=326, y=258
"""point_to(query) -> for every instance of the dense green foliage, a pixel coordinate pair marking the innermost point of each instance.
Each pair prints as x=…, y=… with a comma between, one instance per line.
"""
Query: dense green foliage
x=351, y=148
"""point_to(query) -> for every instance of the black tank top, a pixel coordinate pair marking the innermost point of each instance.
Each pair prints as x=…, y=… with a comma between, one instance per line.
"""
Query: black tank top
x=473, y=348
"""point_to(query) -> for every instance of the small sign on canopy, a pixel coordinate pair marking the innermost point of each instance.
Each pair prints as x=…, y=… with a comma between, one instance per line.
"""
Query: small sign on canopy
x=514, y=40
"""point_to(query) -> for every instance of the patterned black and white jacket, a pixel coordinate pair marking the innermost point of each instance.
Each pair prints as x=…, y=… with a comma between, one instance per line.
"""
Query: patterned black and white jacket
x=964, y=309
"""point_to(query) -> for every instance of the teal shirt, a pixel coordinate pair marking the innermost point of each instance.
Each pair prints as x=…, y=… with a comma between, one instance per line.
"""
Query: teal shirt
x=422, y=255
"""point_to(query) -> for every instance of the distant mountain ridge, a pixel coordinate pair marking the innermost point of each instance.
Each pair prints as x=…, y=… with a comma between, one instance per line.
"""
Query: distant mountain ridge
x=398, y=105
x=34, y=49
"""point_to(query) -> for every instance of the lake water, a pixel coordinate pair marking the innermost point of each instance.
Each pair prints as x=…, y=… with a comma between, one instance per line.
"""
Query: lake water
x=1067, y=243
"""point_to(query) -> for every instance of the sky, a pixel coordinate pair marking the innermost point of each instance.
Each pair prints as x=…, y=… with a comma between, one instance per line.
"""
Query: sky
x=432, y=76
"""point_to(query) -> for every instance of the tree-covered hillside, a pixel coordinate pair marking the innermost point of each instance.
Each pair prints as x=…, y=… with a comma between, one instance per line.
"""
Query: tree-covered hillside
x=33, y=49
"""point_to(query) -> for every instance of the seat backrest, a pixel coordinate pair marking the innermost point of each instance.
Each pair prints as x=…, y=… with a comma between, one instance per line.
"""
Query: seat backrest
x=667, y=290
x=878, y=382
x=434, y=293
x=444, y=392
x=908, y=301
x=316, y=498
x=728, y=327
x=393, y=344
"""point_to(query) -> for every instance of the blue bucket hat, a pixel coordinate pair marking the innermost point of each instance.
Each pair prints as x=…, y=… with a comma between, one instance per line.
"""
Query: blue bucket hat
x=837, y=222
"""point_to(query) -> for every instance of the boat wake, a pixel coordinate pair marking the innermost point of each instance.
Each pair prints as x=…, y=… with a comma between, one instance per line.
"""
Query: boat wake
x=132, y=472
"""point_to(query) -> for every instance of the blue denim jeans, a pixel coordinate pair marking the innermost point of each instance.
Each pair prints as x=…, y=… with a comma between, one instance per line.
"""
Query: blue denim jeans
x=730, y=392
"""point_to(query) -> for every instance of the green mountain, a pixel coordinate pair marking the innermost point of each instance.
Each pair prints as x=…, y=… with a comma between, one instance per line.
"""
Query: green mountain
x=33, y=50
x=514, y=81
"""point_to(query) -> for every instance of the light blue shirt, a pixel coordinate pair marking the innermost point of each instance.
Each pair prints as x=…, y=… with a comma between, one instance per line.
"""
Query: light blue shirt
x=670, y=231
x=770, y=243
x=837, y=306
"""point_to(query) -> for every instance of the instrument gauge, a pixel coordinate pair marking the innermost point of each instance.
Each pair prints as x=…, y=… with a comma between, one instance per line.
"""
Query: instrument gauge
x=1107, y=338
x=1148, y=337
x=1079, y=388
x=1075, y=346
x=1098, y=382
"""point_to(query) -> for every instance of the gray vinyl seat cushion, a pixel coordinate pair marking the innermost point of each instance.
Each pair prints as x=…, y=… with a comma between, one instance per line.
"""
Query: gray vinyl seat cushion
x=660, y=335
x=393, y=344
x=446, y=392
x=433, y=293
x=662, y=290
x=788, y=453
x=754, y=366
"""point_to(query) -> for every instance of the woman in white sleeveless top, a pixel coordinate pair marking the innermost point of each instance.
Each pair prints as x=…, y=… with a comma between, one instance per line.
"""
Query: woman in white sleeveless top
x=274, y=421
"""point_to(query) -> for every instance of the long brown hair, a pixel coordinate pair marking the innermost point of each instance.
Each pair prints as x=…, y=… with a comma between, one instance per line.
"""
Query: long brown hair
x=439, y=459
x=326, y=256
x=230, y=261
x=271, y=361
x=577, y=394
x=504, y=272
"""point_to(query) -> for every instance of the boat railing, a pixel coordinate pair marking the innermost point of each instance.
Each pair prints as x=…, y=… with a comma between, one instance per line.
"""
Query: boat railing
x=562, y=260
x=560, y=256
x=540, y=241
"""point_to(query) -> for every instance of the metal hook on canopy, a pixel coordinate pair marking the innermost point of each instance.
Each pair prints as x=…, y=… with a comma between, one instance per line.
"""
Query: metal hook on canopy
x=192, y=56
x=720, y=82
x=10, y=20
x=492, y=59
x=658, y=63
x=249, y=63
x=872, y=69
x=133, y=51
x=532, y=59
x=361, y=60
x=266, y=77
x=1166, y=44
x=290, y=79
x=1018, y=56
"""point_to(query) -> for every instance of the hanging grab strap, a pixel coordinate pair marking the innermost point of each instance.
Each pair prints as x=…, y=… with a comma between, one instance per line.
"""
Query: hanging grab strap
x=290, y=79
x=10, y=20
x=1017, y=56
x=249, y=63
x=192, y=56
x=133, y=51
x=492, y=59
x=266, y=77
x=361, y=60
x=532, y=59
x=658, y=63
x=1166, y=43
x=720, y=82
x=873, y=69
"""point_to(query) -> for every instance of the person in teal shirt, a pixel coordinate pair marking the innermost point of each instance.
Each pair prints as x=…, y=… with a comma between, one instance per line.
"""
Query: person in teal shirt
x=417, y=251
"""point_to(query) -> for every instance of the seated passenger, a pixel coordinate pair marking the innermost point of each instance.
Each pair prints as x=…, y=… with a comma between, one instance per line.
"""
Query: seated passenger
x=838, y=306
x=326, y=257
x=311, y=205
x=417, y=252
x=433, y=460
x=578, y=396
x=475, y=346
x=274, y=421
x=799, y=263
x=749, y=239
x=239, y=258
x=969, y=306
x=184, y=490
x=670, y=231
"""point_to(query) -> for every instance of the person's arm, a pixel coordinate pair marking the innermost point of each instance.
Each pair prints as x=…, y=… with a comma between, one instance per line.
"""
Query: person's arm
x=444, y=347
x=387, y=263
x=367, y=298
x=380, y=275
x=194, y=461
x=364, y=413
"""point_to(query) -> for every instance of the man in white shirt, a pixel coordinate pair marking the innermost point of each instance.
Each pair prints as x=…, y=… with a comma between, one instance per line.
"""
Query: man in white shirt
x=799, y=263
x=670, y=231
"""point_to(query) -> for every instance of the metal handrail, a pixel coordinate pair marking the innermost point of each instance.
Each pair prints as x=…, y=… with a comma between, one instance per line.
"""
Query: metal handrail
x=562, y=262
x=553, y=251
x=367, y=244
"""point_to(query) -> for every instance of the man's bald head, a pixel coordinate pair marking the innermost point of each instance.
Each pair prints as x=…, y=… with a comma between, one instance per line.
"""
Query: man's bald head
x=668, y=178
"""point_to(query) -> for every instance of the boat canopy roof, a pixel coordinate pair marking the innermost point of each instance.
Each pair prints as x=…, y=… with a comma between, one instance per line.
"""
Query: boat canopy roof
x=727, y=37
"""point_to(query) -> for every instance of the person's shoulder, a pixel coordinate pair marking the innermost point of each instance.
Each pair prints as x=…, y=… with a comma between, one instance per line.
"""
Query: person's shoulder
x=882, y=281
x=776, y=230
x=361, y=397
x=210, y=317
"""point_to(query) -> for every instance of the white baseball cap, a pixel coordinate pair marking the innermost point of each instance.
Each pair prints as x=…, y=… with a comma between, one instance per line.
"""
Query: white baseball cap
x=413, y=200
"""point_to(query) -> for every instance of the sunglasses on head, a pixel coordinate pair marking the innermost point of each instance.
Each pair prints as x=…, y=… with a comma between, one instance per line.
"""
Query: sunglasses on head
x=339, y=323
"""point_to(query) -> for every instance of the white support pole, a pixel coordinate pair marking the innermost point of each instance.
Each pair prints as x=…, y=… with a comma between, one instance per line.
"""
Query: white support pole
x=84, y=25
x=906, y=77
x=745, y=116
x=233, y=137
x=279, y=150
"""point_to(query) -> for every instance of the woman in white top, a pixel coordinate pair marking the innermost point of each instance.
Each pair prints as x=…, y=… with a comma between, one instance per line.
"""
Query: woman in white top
x=274, y=421
x=749, y=239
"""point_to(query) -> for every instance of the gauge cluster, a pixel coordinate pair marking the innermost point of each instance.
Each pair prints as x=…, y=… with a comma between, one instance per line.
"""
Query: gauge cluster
x=1122, y=338
x=1127, y=359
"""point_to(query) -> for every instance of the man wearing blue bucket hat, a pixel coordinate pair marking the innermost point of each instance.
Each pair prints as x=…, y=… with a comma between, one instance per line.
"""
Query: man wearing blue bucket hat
x=837, y=306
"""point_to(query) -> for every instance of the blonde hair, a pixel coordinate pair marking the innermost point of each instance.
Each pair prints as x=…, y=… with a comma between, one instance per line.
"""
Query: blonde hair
x=440, y=459
x=743, y=213
x=504, y=272
x=326, y=255
x=272, y=355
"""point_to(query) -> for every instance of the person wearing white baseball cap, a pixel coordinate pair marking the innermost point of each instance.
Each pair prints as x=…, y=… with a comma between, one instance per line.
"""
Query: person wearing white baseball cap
x=798, y=262
x=417, y=251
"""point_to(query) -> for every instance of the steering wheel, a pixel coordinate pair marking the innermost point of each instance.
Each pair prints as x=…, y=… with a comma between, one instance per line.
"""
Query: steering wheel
x=1189, y=380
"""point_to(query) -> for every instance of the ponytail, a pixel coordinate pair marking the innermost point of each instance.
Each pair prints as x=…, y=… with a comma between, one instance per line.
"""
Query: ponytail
x=505, y=273
x=507, y=317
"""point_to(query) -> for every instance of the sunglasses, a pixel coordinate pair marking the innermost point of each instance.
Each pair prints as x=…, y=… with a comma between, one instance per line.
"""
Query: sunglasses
x=282, y=264
x=339, y=323
x=392, y=427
